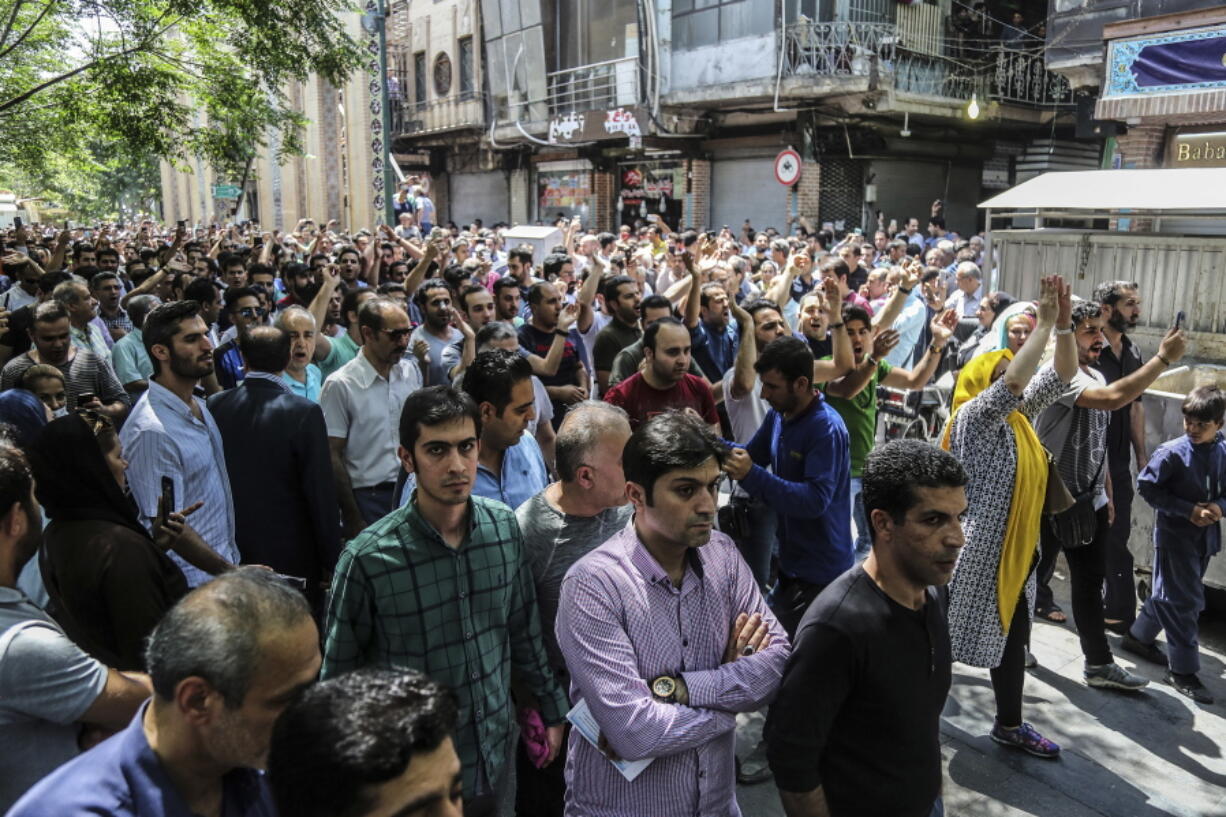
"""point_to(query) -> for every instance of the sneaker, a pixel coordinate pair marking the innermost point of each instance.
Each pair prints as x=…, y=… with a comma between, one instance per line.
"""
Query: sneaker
x=1030, y=661
x=1191, y=686
x=1113, y=676
x=1150, y=652
x=1027, y=739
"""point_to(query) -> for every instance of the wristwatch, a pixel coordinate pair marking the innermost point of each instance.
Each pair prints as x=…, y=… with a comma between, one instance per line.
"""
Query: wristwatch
x=664, y=689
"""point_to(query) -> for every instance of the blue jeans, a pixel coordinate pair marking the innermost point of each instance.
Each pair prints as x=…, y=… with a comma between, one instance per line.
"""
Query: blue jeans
x=938, y=808
x=864, y=540
x=374, y=502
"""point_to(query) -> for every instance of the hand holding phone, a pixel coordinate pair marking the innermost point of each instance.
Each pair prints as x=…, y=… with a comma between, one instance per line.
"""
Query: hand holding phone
x=1179, y=320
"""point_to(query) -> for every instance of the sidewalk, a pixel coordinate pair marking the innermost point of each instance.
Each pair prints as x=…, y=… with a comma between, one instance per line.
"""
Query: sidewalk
x=1144, y=754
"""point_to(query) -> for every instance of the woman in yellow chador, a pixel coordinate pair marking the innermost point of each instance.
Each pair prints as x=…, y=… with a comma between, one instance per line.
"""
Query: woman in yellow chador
x=990, y=432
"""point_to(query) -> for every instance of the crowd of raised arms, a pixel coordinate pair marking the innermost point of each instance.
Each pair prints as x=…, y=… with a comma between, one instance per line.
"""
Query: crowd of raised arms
x=420, y=520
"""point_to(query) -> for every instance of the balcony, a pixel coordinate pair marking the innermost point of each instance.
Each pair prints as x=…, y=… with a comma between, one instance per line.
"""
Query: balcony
x=463, y=110
x=599, y=86
x=880, y=53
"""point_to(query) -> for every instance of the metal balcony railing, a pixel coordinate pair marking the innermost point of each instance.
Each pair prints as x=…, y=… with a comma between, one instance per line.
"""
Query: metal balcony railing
x=599, y=86
x=463, y=110
x=844, y=48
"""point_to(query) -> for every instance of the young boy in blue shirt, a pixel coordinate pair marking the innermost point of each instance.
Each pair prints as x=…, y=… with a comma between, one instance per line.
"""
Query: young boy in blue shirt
x=1184, y=482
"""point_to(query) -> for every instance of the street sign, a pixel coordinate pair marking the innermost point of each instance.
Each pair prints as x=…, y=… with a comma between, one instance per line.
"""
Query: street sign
x=226, y=191
x=787, y=167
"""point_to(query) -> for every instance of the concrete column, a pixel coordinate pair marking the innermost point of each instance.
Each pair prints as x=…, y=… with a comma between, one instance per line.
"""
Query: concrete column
x=697, y=210
x=519, y=187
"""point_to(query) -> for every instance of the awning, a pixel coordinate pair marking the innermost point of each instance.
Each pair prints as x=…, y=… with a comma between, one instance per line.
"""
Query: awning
x=1183, y=189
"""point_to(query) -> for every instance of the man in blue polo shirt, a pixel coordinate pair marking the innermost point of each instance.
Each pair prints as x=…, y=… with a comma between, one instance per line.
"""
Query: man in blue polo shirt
x=224, y=662
x=510, y=467
x=805, y=444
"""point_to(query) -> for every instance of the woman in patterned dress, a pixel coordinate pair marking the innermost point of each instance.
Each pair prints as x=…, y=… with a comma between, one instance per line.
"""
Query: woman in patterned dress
x=990, y=432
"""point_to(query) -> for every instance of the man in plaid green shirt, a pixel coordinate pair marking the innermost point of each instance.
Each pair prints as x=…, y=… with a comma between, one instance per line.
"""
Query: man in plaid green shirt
x=441, y=586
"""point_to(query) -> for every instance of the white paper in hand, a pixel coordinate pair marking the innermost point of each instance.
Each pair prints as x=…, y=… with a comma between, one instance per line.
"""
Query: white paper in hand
x=581, y=718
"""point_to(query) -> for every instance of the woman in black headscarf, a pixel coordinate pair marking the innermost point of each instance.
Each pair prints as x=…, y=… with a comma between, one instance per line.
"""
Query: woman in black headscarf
x=108, y=580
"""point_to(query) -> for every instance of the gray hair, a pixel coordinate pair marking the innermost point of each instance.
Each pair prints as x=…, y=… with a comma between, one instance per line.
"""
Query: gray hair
x=66, y=294
x=293, y=312
x=969, y=268
x=585, y=424
x=214, y=632
x=140, y=306
x=493, y=332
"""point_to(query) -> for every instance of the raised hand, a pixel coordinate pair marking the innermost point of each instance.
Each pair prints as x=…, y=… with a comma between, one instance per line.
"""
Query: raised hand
x=884, y=343
x=1049, y=299
x=1174, y=345
x=568, y=316
x=943, y=326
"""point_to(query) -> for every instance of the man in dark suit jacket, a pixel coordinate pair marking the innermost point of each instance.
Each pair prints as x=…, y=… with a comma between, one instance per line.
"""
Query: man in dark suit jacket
x=276, y=446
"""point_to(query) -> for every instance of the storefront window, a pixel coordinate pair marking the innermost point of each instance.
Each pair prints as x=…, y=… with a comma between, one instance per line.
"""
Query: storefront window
x=563, y=192
x=651, y=188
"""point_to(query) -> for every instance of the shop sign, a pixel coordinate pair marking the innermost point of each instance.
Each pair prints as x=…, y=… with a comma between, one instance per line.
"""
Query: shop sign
x=1196, y=149
x=564, y=189
x=594, y=126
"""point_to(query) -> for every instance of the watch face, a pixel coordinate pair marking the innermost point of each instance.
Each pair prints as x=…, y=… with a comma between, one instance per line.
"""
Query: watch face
x=663, y=687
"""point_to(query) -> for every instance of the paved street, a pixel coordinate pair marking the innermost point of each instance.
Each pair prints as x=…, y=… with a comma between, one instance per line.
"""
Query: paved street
x=1146, y=755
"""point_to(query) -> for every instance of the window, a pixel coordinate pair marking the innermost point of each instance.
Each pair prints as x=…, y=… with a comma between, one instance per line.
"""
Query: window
x=706, y=22
x=466, y=68
x=419, y=77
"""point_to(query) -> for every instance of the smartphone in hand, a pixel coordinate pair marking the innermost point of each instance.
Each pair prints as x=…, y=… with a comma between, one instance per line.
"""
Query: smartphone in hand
x=1179, y=320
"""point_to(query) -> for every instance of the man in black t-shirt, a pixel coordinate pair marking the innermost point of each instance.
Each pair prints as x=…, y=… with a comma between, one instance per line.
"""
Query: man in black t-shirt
x=855, y=728
x=570, y=384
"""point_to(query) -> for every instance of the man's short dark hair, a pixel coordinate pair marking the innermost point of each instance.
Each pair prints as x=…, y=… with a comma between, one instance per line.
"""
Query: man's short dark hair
x=16, y=479
x=470, y=289
x=349, y=249
x=162, y=324
x=230, y=259
x=371, y=313
x=937, y=221
x=139, y=308
x=653, y=302
x=236, y=294
x=492, y=375
x=1205, y=403
x=107, y=252
x=672, y=441
x=610, y=285
x=265, y=349
x=349, y=303
x=214, y=632
x=758, y=304
x=521, y=254
x=537, y=291
x=790, y=356
x=837, y=267
x=432, y=406
x=345, y=736
x=81, y=248
x=851, y=312
x=420, y=297
x=893, y=471
x=1086, y=310
x=201, y=290
x=650, y=334
x=551, y=267
x=505, y=283
x=1108, y=292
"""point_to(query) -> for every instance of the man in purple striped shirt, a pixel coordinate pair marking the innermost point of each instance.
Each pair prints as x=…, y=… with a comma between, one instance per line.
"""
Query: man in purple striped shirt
x=666, y=638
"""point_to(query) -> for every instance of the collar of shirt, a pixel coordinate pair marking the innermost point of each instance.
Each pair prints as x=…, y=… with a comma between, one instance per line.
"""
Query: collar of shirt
x=649, y=568
x=162, y=397
x=365, y=374
x=425, y=528
x=153, y=792
x=271, y=378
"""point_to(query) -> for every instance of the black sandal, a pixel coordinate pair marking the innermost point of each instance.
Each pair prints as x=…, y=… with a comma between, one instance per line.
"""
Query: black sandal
x=1053, y=614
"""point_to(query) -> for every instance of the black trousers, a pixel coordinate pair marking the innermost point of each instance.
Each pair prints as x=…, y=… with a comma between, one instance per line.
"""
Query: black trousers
x=540, y=792
x=1119, y=590
x=1010, y=675
x=1087, y=568
x=789, y=600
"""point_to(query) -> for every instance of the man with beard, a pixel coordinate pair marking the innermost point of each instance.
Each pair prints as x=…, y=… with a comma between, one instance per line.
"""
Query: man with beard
x=1074, y=430
x=441, y=586
x=49, y=686
x=715, y=337
x=434, y=301
x=863, y=691
x=665, y=383
x=622, y=298
x=360, y=402
x=107, y=289
x=666, y=638
x=804, y=443
x=1121, y=357
x=508, y=301
x=224, y=662
x=171, y=435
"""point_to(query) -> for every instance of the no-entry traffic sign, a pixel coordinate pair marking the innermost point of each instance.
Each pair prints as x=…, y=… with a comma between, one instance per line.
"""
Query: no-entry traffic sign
x=787, y=167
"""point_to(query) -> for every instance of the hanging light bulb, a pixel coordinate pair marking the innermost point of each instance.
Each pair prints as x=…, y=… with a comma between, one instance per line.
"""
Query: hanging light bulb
x=972, y=109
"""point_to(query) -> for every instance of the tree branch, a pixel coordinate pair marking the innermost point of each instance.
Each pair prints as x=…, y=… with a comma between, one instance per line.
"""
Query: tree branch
x=8, y=27
x=25, y=33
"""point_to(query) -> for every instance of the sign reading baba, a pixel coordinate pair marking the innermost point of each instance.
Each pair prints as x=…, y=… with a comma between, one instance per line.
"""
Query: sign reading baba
x=1197, y=149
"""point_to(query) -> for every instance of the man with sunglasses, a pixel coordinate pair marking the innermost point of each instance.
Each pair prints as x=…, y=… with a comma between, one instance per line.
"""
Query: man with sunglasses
x=245, y=310
x=361, y=402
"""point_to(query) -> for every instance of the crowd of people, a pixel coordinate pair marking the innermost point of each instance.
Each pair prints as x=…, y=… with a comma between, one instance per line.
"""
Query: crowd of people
x=413, y=521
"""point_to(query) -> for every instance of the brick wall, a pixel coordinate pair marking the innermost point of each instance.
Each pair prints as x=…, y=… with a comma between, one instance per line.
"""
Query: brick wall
x=808, y=189
x=697, y=210
x=604, y=195
x=1142, y=146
